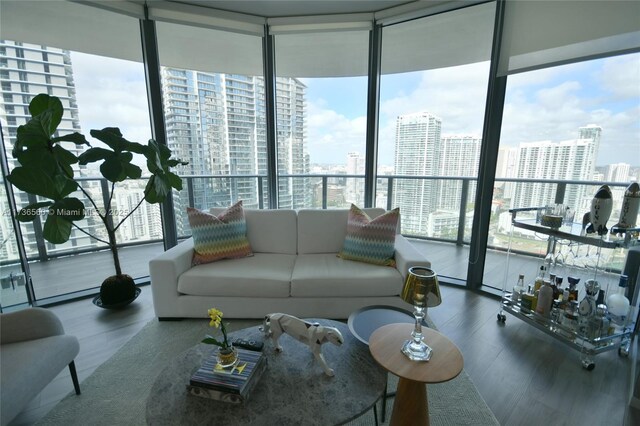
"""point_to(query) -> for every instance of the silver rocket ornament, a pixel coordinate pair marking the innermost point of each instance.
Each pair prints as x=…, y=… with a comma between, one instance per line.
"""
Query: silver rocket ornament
x=600, y=212
x=629, y=209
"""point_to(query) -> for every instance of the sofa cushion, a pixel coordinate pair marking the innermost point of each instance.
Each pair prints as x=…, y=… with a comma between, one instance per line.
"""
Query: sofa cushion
x=270, y=231
x=323, y=231
x=219, y=237
x=370, y=240
x=322, y=275
x=262, y=275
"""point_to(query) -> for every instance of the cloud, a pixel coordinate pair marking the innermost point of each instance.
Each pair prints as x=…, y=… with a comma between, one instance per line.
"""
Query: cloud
x=604, y=92
x=620, y=76
x=457, y=95
x=111, y=93
x=331, y=135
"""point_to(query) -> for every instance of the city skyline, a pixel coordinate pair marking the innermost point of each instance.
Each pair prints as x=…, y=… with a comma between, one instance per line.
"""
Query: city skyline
x=337, y=106
x=216, y=122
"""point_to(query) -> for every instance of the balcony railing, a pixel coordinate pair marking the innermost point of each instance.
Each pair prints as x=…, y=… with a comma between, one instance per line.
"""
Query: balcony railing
x=318, y=191
x=232, y=187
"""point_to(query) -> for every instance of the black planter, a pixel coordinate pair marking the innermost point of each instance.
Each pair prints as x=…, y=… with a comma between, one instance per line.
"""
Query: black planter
x=116, y=291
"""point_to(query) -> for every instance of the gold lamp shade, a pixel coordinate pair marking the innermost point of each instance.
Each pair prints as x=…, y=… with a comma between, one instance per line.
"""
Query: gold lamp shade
x=421, y=288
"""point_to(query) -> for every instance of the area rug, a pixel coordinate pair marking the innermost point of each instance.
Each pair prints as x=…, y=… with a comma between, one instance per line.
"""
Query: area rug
x=116, y=393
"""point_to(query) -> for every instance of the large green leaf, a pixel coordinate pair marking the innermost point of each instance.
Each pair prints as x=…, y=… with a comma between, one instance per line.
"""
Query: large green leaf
x=29, y=135
x=33, y=181
x=29, y=213
x=49, y=109
x=38, y=158
x=64, y=156
x=69, y=208
x=174, y=180
x=110, y=136
x=132, y=171
x=64, y=186
x=151, y=195
x=113, y=170
x=75, y=137
x=57, y=229
x=94, y=154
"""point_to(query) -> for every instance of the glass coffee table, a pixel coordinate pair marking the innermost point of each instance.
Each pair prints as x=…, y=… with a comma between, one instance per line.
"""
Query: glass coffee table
x=363, y=322
x=292, y=390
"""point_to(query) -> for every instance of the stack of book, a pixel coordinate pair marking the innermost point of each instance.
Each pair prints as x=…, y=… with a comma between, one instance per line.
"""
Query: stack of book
x=233, y=384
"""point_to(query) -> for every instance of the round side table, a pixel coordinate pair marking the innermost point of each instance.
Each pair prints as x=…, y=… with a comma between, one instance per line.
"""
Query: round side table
x=411, y=405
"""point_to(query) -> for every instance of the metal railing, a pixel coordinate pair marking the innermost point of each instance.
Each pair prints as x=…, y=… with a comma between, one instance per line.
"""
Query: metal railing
x=231, y=193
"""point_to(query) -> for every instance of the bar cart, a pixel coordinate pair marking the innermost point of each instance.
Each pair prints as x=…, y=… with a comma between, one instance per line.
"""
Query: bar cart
x=568, y=248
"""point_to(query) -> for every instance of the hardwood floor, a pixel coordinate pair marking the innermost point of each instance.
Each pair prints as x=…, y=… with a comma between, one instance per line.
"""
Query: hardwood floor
x=526, y=377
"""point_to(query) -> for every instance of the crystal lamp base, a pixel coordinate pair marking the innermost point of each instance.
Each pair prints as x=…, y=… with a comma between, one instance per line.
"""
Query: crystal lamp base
x=417, y=351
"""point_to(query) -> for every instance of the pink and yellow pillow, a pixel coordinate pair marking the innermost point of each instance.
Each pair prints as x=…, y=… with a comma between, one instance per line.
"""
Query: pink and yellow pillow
x=219, y=237
x=370, y=241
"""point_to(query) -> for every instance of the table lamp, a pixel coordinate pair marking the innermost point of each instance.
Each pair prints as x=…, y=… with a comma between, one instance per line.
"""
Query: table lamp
x=421, y=290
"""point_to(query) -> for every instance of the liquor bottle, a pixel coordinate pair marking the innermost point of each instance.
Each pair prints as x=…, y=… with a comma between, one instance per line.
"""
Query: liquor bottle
x=528, y=301
x=618, y=306
x=598, y=324
x=557, y=289
x=539, y=279
x=573, y=289
x=518, y=289
x=545, y=299
x=570, y=320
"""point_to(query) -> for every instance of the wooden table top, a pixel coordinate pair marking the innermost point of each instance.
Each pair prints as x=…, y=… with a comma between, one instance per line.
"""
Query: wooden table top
x=446, y=360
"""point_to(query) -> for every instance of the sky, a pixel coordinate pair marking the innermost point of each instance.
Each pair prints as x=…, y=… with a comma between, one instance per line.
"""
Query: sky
x=549, y=104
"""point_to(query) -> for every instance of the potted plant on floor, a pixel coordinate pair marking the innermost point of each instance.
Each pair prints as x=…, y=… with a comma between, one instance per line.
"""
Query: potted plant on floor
x=45, y=170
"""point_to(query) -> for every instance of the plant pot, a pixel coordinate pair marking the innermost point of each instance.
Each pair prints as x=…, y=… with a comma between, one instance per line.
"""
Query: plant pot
x=227, y=357
x=117, y=291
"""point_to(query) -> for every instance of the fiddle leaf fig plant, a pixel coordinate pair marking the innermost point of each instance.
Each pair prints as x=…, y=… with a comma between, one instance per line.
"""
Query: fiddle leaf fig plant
x=46, y=170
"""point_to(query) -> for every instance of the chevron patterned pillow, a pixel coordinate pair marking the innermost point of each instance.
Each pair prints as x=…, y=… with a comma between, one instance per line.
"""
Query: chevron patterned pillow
x=370, y=241
x=219, y=237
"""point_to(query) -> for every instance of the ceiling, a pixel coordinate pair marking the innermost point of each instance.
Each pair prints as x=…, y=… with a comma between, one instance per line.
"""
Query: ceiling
x=271, y=8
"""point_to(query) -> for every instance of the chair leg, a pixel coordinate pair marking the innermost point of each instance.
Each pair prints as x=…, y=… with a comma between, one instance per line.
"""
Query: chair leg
x=384, y=402
x=74, y=377
x=375, y=413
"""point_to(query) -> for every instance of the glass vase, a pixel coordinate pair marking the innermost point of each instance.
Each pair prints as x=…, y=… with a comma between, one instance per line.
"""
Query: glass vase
x=227, y=357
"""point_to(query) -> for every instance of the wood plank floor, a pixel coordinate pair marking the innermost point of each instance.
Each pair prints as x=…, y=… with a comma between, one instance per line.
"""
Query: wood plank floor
x=526, y=377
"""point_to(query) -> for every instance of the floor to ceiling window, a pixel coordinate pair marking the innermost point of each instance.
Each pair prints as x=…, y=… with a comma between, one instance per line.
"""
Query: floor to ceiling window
x=321, y=108
x=565, y=127
x=432, y=96
x=92, y=61
x=214, y=107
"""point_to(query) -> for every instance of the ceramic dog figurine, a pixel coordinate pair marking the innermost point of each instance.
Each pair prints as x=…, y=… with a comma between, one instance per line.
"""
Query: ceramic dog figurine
x=312, y=334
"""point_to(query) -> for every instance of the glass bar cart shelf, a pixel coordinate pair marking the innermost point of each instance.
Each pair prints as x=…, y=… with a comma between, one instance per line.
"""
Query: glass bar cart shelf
x=578, y=338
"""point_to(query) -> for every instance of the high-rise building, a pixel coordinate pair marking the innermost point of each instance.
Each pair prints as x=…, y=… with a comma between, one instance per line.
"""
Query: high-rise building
x=567, y=160
x=460, y=156
x=216, y=122
x=25, y=71
x=618, y=172
x=506, y=167
x=418, y=149
x=355, y=186
x=293, y=158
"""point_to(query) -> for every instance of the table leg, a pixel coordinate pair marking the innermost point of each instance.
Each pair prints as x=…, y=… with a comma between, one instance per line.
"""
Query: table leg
x=410, y=407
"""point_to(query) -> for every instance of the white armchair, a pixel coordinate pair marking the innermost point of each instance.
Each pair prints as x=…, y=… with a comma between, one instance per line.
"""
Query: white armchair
x=33, y=350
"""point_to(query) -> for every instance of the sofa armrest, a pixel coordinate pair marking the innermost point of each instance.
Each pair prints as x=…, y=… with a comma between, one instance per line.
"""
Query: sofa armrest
x=29, y=324
x=407, y=256
x=164, y=271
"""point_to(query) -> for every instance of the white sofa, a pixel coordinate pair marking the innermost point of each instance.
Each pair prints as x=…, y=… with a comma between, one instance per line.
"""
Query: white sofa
x=294, y=270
